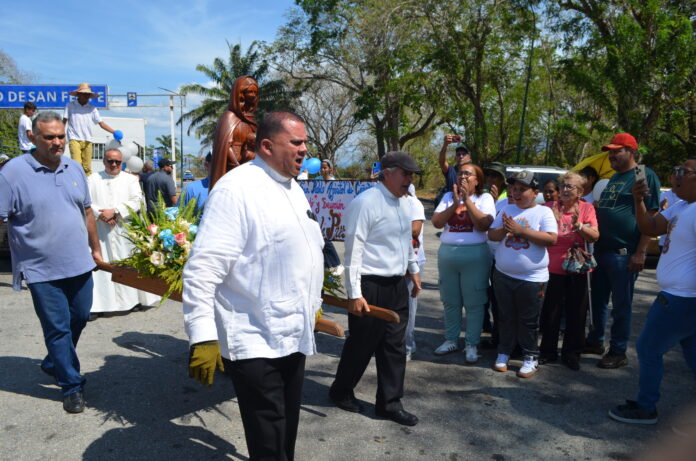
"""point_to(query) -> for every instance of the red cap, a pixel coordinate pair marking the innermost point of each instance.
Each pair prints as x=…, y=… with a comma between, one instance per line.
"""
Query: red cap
x=621, y=140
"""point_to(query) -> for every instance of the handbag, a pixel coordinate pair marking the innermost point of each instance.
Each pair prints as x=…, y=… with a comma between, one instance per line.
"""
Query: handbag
x=578, y=261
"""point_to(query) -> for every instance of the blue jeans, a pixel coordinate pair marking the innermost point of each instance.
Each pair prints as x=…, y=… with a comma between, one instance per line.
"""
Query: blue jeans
x=671, y=320
x=612, y=278
x=63, y=309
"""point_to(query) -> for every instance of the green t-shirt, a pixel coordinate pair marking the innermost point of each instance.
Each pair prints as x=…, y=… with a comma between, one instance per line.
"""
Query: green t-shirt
x=616, y=215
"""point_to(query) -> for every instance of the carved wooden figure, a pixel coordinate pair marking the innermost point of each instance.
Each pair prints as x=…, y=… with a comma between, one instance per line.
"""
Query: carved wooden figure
x=233, y=143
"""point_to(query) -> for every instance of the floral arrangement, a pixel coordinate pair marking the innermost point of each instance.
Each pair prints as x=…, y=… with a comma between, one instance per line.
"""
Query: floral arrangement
x=162, y=242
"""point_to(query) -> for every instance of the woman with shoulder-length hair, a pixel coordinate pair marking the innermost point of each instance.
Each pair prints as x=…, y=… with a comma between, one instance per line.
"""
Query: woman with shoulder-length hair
x=464, y=260
x=566, y=292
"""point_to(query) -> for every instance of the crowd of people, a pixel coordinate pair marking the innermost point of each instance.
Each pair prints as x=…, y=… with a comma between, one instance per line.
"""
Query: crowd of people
x=252, y=285
x=544, y=259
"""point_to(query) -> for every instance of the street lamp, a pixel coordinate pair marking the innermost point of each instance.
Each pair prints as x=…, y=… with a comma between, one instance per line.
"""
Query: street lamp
x=171, y=126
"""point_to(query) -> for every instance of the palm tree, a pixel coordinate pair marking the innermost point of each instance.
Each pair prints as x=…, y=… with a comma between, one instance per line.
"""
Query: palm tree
x=165, y=145
x=273, y=93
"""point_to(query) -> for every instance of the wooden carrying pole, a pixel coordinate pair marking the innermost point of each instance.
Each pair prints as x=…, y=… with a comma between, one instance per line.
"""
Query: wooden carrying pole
x=131, y=278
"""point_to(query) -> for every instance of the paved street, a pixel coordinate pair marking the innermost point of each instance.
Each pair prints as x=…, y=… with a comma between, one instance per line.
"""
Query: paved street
x=141, y=405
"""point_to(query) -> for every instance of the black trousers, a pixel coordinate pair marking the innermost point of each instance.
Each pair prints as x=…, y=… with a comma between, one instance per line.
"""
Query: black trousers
x=519, y=305
x=269, y=393
x=565, y=294
x=385, y=340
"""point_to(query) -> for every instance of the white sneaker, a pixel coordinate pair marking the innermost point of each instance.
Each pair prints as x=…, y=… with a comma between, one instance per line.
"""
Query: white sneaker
x=471, y=354
x=446, y=347
x=501, y=362
x=529, y=367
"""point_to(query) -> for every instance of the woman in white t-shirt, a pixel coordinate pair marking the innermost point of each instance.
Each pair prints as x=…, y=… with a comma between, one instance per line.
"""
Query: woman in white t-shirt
x=464, y=261
x=521, y=273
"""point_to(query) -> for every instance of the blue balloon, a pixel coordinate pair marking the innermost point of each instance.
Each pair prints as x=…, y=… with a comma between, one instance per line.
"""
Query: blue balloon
x=304, y=164
x=313, y=165
x=118, y=135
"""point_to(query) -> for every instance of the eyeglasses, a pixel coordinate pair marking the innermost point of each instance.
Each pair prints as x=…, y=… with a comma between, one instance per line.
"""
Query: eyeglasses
x=567, y=186
x=680, y=171
x=51, y=137
x=114, y=162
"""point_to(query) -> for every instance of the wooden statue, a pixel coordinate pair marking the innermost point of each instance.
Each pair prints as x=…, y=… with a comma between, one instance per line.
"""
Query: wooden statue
x=233, y=143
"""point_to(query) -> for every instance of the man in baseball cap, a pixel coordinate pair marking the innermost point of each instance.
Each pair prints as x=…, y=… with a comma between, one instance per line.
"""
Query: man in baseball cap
x=524, y=177
x=621, y=140
x=79, y=116
x=378, y=252
x=161, y=182
x=620, y=251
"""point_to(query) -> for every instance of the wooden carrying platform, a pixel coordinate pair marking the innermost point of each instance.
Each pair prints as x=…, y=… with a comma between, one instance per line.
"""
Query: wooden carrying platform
x=130, y=277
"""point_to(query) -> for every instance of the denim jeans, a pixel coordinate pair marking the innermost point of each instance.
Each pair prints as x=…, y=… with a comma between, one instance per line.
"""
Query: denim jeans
x=612, y=278
x=671, y=320
x=63, y=309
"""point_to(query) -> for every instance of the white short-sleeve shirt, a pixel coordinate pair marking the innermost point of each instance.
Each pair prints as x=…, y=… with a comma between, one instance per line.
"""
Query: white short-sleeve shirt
x=517, y=257
x=459, y=230
x=80, y=120
x=677, y=266
x=24, y=126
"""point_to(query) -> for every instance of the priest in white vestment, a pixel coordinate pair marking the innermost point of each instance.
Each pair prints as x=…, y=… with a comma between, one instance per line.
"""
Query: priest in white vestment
x=112, y=192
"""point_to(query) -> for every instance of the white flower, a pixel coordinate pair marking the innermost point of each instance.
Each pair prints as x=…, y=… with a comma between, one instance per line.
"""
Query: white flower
x=337, y=271
x=157, y=258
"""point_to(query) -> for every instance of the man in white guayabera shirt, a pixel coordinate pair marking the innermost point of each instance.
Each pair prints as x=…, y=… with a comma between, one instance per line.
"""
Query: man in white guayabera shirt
x=378, y=253
x=252, y=286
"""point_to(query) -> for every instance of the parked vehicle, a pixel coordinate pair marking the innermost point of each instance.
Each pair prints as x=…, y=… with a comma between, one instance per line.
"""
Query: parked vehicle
x=542, y=173
x=188, y=176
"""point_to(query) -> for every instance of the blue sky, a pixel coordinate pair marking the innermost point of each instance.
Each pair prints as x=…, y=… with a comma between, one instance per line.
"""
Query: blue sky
x=133, y=45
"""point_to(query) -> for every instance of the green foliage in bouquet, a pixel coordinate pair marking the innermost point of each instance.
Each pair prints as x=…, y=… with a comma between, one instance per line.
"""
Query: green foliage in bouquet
x=162, y=242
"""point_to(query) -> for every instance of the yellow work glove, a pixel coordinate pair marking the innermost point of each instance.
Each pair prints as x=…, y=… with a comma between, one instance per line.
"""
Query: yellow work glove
x=203, y=359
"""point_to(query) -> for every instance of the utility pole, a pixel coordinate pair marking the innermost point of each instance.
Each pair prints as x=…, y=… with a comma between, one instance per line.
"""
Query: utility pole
x=171, y=128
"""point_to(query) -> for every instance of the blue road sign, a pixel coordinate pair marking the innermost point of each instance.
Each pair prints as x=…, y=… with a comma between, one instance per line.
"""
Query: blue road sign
x=132, y=99
x=47, y=96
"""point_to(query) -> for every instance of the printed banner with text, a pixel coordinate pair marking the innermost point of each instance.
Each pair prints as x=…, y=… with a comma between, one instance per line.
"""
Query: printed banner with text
x=329, y=201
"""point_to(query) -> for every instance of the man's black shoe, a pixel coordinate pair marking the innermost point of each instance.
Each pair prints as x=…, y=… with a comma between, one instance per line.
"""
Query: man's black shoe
x=74, y=403
x=594, y=349
x=545, y=358
x=611, y=360
x=571, y=361
x=402, y=417
x=346, y=403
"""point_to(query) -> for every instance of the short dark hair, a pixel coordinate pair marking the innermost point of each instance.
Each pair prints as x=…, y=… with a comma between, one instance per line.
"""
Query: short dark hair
x=272, y=124
x=589, y=173
x=209, y=157
x=29, y=105
x=45, y=117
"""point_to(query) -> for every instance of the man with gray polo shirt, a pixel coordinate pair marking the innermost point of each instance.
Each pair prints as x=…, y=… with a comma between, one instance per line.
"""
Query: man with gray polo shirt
x=378, y=254
x=45, y=199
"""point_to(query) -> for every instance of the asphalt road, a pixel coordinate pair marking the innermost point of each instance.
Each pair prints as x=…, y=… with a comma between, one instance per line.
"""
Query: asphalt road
x=141, y=405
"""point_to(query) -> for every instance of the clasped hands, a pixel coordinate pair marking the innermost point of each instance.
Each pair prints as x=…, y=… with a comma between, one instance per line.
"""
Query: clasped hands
x=511, y=226
x=109, y=216
x=204, y=359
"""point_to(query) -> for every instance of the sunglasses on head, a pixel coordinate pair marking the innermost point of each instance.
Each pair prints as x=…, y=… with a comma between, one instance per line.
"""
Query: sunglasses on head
x=114, y=162
x=51, y=137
